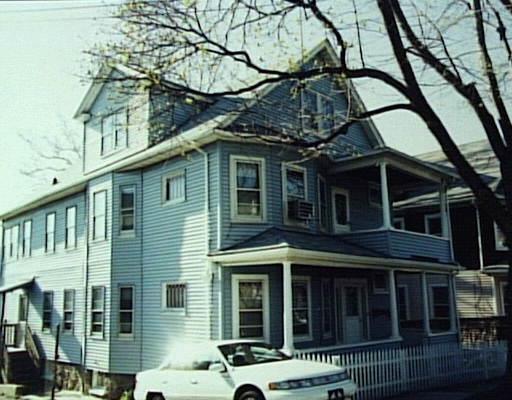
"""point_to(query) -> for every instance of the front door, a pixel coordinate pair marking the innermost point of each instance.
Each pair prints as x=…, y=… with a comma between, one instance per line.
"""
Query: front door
x=351, y=311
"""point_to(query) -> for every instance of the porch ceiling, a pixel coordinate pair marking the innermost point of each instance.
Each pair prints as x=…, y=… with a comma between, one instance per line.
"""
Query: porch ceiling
x=403, y=168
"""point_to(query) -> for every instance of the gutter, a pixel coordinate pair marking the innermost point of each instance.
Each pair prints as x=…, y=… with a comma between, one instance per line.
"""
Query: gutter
x=85, y=285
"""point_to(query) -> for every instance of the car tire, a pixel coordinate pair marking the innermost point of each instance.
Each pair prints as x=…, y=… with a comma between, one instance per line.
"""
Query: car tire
x=156, y=396
x=250, y=395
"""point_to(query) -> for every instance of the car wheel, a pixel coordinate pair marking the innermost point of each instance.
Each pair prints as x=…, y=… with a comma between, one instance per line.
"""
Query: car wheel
x=156, y=396
x=250, y=395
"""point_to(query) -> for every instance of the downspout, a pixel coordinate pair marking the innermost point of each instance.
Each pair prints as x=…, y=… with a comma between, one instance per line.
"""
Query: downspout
x=450, y=234
x=141, y=233
x=86, y=284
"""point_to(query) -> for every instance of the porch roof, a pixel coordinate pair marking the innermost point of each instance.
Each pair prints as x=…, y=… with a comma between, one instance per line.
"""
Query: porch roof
x=276, y=245
x=401, y=163
x=17, y=284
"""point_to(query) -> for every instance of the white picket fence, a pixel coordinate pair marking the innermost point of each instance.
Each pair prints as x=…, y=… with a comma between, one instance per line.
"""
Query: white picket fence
x=388, y=372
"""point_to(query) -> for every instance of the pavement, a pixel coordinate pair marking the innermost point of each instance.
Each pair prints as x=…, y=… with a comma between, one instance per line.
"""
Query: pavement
x=62, y=395
x=457, y=392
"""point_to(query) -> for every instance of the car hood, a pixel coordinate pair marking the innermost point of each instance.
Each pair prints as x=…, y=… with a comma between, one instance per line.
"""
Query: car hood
x=283, y=371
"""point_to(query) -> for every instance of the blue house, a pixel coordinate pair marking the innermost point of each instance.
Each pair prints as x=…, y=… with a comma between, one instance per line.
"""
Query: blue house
x=191, y=222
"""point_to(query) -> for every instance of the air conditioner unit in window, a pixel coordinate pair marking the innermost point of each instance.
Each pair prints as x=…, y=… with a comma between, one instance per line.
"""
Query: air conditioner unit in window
x=300, y=209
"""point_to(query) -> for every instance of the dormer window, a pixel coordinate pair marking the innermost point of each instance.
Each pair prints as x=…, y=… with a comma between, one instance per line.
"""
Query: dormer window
x=114, y=131
x=317, y=112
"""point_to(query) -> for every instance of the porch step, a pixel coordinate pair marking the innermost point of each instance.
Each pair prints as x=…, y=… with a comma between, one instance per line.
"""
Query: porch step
x=10, y=391
x=98, y=391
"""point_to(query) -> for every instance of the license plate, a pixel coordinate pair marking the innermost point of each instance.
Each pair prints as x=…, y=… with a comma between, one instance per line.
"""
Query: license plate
x=336, y=394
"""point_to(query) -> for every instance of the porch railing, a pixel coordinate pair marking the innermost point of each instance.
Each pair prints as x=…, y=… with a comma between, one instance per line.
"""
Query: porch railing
x=389, y=372
x=10, y=337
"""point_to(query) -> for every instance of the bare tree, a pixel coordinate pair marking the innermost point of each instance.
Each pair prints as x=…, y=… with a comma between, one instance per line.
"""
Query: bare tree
x=212, y=48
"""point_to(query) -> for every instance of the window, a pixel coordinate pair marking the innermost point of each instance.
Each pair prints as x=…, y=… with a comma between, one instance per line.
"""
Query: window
x=295, y=188
x=97, y=310
x=341, y=210
x=26, y=242
x=173, y=187
x=126, y=302
x=317, y=111
x=15, y=234
x=175, y=296
x=439, y=307
x=374, y=195
x=99, y=227
x=301, y=297
x=23, y=308
x=127, y=209
x=114, y=132
x=380, y=283
x=47, y=310
x=49, y=243
x=250, y=306
x=248, y=197
x=399, y=223
x=433, y=224
x=499, y=238
x=71, y=227
x=403, y=302
x=7, y=253
x=322, y=202
x=69, y=306
x=327, y=299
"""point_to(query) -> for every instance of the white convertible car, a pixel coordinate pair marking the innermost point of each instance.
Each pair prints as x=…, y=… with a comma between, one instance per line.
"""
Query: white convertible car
x=242, y=370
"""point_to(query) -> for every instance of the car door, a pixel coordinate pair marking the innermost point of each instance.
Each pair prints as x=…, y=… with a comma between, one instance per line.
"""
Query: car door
x=205, y=385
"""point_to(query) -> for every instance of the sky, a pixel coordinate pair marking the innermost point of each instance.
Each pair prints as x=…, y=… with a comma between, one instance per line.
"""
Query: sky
x=42, y=71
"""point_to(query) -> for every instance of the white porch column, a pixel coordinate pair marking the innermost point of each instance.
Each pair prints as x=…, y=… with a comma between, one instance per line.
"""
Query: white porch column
x=444, y=210
x=426, y=311
x=453, y=303
x=384, y=192
x=395, y=327
x=287, y=308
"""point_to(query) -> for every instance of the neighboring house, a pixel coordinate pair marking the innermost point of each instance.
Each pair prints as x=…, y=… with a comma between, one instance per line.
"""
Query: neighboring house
x=182, y=227
x=477, y=242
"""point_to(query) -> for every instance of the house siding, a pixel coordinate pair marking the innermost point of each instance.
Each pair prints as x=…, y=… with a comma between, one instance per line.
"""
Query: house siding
x=475, y=297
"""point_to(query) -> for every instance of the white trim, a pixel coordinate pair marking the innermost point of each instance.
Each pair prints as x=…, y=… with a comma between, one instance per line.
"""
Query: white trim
x=47, y=249
x=497, y=244
x=233, y=189
x=323, y=228
x=103, y=236
x=338, y=228
x=431, y=286
x=64, y=310
x=129, y=188
x=74, y=226
x=165, y=178
x=502, y=285
x=26, y=251
x=401, y=222
x=235, y=280
x=377, y=290
x=447, y=333
x=119, y=311
x=307, y=280
x=342, y=283
x=426, y=220
x=351, y=345
x=377, y=187
x=407, y=304
x=100, y=335
x=285, y=166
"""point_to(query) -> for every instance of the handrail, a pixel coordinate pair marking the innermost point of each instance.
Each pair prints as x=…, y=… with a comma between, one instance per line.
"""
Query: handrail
x=31, y=347
x=10, y=335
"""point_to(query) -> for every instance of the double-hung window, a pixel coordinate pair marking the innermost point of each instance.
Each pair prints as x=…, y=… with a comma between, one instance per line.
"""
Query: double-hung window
x=295, y=189
x=174, y=296
x=7, y=253
x=114, y=133
x=433, y=224
x=68, y=310
x=247, y=189
x=126, y=307
x=99, y=227
x=341, y=209
x=97, y=310
x=49, y=243
x=250, y=306
x=70, y=227
x=15, y=234
x=322, y=203
x=127, y=209
x=317, y=112
x=439, y=307
x=173, y=187
x=301, y=307
x=26, y=242
x=47, y=310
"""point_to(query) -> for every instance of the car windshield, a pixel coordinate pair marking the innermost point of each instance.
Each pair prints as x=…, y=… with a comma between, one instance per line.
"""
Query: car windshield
x=250, y=353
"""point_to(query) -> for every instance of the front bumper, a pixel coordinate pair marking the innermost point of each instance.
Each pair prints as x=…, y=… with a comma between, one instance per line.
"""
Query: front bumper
x=314, y=393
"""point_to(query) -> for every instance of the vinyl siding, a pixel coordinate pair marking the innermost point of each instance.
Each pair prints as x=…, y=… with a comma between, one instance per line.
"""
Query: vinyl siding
x=475, y=297
x=55, y=272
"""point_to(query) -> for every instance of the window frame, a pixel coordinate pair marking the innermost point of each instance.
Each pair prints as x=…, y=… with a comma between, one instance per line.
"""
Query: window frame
x=235, y=305
x=498, y=245
x=378, y=290
x=26, y=251
x=318, y=117
x=99, y=334
x=123, y=311
x=233, y=190
x=23, y=306
x=67, y=228
x=324, y=225
x=66, y=310
x=95, y=217
x=426, y=220
x=164, y=306
x=433, y=305
x=401, y=221
x=307, y=281
x=284, y=176
x=47, y=233
x=46, y=310
x=15, y=241
x=330, y=308
x=7, y=244
x=338, y=228
x=115, y=143
x=406, y=302
x=171, y=175
x=374, y=186
x=133, y=189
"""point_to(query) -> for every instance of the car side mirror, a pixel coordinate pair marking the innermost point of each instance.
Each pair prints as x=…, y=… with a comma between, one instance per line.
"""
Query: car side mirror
x=217, y=367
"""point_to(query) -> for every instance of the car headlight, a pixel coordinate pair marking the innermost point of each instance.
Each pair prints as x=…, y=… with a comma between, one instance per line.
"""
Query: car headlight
x=309, y=382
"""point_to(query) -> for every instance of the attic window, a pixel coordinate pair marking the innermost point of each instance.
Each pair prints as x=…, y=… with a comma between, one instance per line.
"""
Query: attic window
x=317, y=112
x=114, y=131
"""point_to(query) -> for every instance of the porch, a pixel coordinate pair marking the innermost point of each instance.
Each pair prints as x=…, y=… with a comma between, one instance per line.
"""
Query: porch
x=332, y=303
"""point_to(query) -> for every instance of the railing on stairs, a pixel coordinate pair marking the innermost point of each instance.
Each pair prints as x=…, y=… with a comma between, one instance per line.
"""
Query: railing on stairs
x=10, y=337
x=31, y=347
